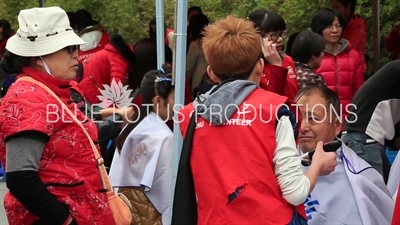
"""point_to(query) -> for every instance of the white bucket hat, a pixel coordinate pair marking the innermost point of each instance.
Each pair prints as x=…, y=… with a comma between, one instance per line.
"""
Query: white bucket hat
x=42, y=31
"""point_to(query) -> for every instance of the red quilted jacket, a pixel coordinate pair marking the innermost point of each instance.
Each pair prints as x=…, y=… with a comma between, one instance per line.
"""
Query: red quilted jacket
x=68, y=167
x=101, y=68
x=342, y=73
x=105, y=39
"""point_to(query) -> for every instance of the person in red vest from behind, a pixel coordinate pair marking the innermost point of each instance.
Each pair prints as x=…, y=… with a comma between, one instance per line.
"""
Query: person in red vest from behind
x=92, y=32
x=245, y=167
x=168, y=34
x=112, y=63
x=271, y=25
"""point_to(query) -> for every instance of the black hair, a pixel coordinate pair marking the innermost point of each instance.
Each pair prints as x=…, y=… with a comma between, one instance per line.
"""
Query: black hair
x=305, y=45
x=84, y=19
x=12, y=64
x=149, y=88
x=353, y=4
x=323, y=18
x=267, y=21
x=195, y=8
x=330, y=96
x=152, y=34
x=3, y=51
x=146, y=60
x=196, y=26
x=72, y=20
x=7, y=31
x=290, y=41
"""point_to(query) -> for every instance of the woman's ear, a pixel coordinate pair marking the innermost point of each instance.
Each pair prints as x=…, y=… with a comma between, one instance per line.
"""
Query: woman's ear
x=156, y=100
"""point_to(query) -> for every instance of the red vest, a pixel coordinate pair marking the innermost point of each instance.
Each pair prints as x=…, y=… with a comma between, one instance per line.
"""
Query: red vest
x=291, y=87
x=105, y=39
x=237, y=157
x=67, y=167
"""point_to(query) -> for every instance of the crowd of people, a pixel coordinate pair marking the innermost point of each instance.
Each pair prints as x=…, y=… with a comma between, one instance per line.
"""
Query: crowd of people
x=270, y=136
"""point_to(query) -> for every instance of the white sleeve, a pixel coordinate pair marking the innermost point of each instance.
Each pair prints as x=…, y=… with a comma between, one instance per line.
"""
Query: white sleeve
x=171, y=41
x=295, y=186
x=92, y=40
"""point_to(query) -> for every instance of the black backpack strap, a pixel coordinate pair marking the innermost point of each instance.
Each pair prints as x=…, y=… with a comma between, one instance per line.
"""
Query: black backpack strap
x=184, y=210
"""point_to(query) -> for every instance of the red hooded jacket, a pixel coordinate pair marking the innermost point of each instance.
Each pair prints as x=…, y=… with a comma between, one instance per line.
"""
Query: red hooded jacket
x=342, y=73
x=105, y=39
x=111, y=63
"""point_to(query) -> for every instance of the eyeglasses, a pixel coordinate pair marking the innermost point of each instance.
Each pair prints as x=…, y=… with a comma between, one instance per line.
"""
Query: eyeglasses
x=275, y=36
x=336, y=26
x=72, y=48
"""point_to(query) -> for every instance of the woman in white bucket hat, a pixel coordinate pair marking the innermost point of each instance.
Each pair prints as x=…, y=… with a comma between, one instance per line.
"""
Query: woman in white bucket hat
x=52, y=174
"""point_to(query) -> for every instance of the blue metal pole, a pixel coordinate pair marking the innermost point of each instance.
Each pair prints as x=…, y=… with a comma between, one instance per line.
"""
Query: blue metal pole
x=179, y=79
x=160, y=32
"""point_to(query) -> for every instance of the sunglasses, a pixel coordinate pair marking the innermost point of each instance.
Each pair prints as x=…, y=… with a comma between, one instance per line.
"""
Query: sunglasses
x=72, y=48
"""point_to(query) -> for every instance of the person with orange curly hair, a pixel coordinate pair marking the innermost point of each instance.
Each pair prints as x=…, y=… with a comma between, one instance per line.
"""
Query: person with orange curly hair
x=248, y=171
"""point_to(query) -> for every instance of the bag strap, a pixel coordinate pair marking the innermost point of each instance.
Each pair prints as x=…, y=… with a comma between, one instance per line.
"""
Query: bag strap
x=188, y=141
x=184, y=209
x=99, y=160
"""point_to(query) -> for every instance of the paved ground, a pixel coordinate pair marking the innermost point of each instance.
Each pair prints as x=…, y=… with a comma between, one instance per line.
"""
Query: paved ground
x=3, y=189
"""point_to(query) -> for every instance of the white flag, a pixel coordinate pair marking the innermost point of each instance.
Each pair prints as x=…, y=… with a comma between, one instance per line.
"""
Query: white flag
x=374, y=201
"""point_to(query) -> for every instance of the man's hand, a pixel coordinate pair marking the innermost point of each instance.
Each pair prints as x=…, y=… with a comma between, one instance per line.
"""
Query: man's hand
x=325, y=161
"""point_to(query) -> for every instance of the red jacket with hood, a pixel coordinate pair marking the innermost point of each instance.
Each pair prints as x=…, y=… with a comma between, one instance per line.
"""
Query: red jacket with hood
x=105, y=39
x=342, y=73
x=111, y=63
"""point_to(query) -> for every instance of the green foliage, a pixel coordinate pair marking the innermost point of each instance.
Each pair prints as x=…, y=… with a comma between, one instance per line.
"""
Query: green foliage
x=131, y=17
